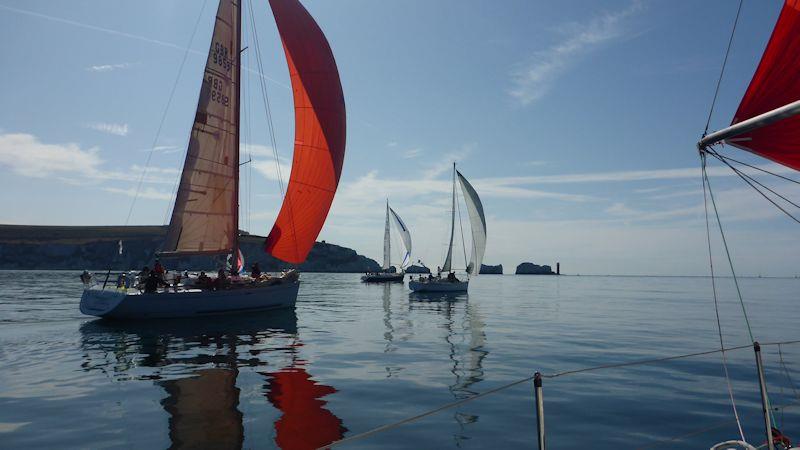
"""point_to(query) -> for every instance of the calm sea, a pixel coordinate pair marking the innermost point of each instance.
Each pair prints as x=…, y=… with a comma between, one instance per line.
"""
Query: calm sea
x=352, y=357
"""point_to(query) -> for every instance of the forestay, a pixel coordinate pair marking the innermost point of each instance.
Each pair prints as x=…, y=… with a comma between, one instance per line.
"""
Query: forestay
x=205, y=214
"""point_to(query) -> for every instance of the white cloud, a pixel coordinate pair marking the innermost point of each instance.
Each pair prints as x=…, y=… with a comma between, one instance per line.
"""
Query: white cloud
x=535, y=79
x=264, y=162
x=108, y=67
x=639, y=175
x=118, y=129
x=26, y=155
x=165, y=149
x=148, y=193
x=619, y=209
x=412, y=153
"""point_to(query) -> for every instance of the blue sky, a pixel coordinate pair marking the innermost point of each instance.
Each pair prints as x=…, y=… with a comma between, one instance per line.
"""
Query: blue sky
x=575, y=121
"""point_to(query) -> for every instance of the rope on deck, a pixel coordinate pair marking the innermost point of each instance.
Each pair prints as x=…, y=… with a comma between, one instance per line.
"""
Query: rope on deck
x=431, y=412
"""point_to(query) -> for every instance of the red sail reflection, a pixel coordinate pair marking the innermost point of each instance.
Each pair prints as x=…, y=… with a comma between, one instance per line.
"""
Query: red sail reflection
x=305, y=423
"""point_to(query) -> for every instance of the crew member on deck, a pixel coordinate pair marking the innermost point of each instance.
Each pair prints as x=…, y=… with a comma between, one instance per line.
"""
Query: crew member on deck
x=222, y=278
x=153, y=282
x=159, y=269
x=255, y=271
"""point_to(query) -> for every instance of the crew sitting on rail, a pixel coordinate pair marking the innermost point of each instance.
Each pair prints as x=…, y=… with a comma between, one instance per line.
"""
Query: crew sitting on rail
x=203, y=280
x=122, y=281
x=152, y=283
x=255, y=271
x=159, y=269
x=451, y=277
x=222, y=279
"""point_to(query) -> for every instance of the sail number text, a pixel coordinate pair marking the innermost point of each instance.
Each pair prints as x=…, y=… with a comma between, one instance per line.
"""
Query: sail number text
x=217, y=92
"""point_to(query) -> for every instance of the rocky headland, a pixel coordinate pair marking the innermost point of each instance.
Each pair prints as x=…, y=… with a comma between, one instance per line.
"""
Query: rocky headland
x=31, y=247
x=491, y=270
x=528, y=268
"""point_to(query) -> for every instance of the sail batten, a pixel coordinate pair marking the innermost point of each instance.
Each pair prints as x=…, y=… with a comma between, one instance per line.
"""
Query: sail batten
x=205, y=216
x=774, y=86
x=319, y=143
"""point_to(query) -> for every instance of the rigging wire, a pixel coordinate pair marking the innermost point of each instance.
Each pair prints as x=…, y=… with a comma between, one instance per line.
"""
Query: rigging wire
x=716, y=303
x=759, y=169
x=265, y=96
x=164, y=115
x=728, y=254
x=733, y=272
x=747, y=179
x=446, y=406
x=268, y=110
x=722, y=70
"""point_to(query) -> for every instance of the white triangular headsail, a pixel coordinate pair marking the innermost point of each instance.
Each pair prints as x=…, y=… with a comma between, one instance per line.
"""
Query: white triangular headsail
x=477, y=222
x=205, y=216
x=405, y=235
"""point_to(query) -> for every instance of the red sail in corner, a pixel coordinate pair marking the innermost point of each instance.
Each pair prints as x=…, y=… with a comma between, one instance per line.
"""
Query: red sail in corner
x=775, y=84
x=319, y=142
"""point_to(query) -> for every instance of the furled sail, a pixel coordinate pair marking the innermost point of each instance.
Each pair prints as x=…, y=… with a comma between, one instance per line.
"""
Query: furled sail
x=448, y=261
x=404, y=234
x=477, y=222
x=387, y=242
x=319, y=143
x=204, y=219
x=774, y=85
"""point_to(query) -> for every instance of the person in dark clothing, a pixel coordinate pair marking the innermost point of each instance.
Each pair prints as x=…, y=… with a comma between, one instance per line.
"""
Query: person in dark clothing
x=222, y=279
x=159, y=269
x=255, y=271
x=152, y=283
x=203, y=280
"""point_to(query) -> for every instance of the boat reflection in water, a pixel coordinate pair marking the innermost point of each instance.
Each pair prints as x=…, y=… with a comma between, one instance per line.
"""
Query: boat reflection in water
x=466, y=341
x=197, y=363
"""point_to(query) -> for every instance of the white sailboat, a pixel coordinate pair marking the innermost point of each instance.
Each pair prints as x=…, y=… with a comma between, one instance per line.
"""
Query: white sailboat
x=205, y=218
x=477, y=221
x=387, y=274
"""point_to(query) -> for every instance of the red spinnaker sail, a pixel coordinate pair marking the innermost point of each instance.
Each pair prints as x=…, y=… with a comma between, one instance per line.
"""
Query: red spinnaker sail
x=775, y=84
x=319, y=142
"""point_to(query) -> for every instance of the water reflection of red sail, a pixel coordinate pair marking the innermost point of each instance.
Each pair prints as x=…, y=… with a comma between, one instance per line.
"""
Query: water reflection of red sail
x=305, y=423
x=204, y=410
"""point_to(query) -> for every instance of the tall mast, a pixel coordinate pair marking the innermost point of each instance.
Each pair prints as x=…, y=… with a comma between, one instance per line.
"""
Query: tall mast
x=448, y=262
x=387, y=241
x=235, y=256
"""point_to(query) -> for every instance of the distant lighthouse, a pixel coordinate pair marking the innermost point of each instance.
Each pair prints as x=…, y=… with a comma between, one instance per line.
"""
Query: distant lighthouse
x=558, y=268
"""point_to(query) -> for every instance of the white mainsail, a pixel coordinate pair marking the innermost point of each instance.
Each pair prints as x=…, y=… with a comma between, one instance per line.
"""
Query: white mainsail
x=448, y=261
x=387, y=242
x=205, y=216
x=405, y=235
x=477, y=222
